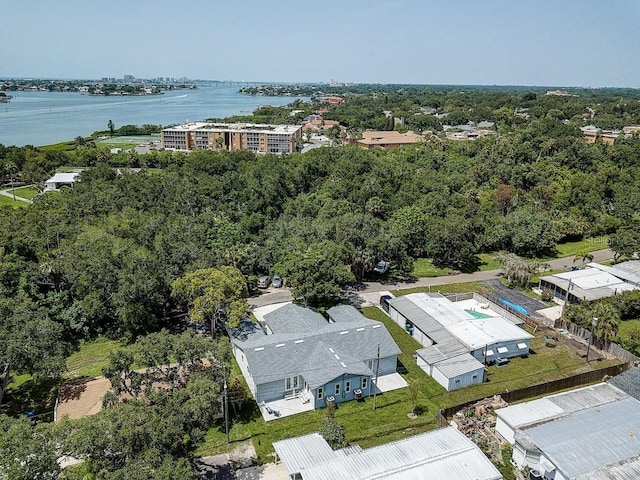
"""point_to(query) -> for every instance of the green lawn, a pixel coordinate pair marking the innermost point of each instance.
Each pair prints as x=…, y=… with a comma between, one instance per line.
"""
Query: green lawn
x=24, y=394
x=11, y=202
x=466, y=287
x=571, y=249
x=126, y=141
x=424, y=267
x=91, y=357
x=487, y=262
x=625, y=330
x=26, y=192
x=368, y=427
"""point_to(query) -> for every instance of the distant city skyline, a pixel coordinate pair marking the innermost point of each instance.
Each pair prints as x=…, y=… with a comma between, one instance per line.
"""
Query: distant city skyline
x=584, y=43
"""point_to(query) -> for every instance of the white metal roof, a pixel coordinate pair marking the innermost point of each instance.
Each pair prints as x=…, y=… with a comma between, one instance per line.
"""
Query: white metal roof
x=596, y=281
x=64, y=177
x=625, y=470
x=302, y=452
x=529, y=412
x=442, y=312
x=460, y=365
x=560, y=404
x=628, y=271
x=590, y=439
x=443, y=453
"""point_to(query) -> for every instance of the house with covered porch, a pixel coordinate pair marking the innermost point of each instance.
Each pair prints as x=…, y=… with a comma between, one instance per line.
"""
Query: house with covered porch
x=296, y=359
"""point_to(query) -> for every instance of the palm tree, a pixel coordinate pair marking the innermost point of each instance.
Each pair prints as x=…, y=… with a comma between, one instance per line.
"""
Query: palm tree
x=12, y=169
x=584, y=256
x=111, y=127
x=607, y=319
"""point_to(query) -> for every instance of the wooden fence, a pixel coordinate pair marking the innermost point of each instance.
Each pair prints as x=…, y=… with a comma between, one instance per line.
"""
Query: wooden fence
x=604, y=345
x=544, y=388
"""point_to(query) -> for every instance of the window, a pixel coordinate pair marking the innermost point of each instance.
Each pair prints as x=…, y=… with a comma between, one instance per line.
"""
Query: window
x=364, y=382
x=474, y=377
x=320, y=392
x=347, y=386
x=337, y=389
x=457, y=380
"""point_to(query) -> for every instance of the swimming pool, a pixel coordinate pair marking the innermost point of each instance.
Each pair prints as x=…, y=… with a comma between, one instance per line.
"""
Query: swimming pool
x=475, y=314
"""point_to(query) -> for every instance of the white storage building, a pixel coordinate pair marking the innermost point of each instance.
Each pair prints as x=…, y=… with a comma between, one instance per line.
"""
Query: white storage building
x=458, y=338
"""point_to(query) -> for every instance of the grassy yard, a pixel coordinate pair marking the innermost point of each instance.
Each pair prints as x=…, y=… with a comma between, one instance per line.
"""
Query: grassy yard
x=571, y=249
x=126, y=141
x=625, y=330
x=11, y=202
x=389, y=421
x=424, y=267
x=91, y=357
x=487, y=262
x=26, y=192
x=466, y=287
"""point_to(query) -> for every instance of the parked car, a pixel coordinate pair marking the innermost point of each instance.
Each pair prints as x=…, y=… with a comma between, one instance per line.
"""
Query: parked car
x=500, y=361
x=276, y=281
x=263, y=282
x=384, y=302
x=382, y=267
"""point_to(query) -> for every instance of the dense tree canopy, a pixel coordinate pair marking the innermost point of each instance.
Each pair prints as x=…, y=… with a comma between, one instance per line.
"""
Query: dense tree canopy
x=126, y=254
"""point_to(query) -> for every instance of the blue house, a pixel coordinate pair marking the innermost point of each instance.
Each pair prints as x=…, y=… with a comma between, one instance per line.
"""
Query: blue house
x=299, y=354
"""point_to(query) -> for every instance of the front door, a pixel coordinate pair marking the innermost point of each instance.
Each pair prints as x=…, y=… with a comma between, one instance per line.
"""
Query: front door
x=291, y=384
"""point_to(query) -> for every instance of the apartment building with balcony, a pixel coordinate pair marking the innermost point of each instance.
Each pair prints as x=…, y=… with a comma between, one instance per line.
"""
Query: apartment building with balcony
x=259, y=138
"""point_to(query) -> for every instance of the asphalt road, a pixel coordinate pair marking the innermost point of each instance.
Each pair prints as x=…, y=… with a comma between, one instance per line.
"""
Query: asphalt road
x=556, y=264
x=273, y=295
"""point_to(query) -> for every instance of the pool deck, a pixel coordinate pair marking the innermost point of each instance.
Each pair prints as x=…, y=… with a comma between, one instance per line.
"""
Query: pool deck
x=472, y=305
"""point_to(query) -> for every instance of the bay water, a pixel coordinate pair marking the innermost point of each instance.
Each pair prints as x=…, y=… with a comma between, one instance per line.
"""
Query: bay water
x=44, y=118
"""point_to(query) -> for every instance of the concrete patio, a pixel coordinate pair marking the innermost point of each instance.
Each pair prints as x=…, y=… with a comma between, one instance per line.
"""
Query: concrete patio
x=286, y=407
x=392, y=381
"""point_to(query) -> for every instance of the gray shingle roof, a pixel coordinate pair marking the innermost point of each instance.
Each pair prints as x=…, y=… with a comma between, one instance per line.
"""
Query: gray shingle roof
x=628, y=382
x=293, y=318
x=312, y=354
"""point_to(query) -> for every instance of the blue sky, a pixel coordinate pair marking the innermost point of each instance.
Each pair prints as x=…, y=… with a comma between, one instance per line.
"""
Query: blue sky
x=490, y=42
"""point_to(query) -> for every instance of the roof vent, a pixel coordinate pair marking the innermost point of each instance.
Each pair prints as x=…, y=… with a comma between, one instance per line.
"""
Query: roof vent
x=259, y=349
x=299, y=341
x=377, y=326
x=344, y=333
x=279, y=345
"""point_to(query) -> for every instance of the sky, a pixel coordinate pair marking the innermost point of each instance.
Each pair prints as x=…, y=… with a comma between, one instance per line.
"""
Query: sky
x=588, y=43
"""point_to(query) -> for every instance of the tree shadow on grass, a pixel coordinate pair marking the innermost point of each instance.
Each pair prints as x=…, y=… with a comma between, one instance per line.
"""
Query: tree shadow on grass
x=37, y=396
x=248, y=413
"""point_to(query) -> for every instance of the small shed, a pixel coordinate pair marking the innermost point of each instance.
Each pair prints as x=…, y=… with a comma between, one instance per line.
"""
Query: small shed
x=62, y=179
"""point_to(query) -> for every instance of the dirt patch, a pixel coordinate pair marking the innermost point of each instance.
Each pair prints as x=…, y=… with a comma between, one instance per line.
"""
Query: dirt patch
x=244, y=454
x=82, y=397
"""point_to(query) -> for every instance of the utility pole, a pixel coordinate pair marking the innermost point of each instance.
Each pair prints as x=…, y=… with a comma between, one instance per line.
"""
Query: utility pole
x=226, y=404
x=594, y=323
x=375, y=385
